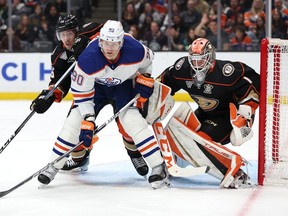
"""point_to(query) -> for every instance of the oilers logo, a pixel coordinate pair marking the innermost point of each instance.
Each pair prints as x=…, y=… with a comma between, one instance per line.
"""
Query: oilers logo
x=108, y=81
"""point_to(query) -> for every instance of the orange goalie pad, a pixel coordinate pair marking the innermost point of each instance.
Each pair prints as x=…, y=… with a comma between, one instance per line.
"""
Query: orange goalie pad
x=198, y=148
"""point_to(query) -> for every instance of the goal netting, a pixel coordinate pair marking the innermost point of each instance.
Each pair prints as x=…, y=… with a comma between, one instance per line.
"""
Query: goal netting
x=273, y=109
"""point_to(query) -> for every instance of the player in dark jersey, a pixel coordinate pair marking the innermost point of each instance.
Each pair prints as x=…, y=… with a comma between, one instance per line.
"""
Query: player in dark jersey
x=72, y=41
x=227, y=95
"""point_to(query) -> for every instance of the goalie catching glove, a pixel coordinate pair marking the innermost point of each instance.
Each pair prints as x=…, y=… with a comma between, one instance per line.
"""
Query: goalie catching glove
x=241, y=121
x=144, y=86
x=41, y=105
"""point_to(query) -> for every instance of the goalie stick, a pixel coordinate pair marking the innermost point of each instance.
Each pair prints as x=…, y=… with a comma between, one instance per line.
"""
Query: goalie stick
x=32, y=112
x=98, y=129
x=170, y=162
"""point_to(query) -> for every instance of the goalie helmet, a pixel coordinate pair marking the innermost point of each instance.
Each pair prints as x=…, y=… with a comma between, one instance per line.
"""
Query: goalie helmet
x=66, y=22
x=201, y=58
x=112, y=31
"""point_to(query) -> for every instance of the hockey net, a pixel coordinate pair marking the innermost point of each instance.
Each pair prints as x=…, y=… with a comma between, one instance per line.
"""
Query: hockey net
x=273, y=109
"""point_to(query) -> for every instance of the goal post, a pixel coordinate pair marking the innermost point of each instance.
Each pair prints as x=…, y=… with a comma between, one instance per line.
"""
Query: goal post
x=273, y=113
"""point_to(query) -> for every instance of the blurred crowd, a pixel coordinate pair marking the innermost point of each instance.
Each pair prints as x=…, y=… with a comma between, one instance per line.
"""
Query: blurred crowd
x=242, y=22
x=34, y=22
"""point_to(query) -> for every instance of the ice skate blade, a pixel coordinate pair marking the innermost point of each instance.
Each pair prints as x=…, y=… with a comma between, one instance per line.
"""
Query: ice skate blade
x=77, y=169
x=245, y=186
x=160, y=184
x=42, y=186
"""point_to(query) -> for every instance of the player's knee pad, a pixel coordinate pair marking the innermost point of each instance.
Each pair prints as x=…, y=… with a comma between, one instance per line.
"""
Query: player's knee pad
x=200, y=151
x=133, y=122
x=125, y=136
x=69, y=134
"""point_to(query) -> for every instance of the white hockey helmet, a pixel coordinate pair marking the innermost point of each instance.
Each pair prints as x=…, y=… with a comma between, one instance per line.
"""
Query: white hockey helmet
x=112, y=31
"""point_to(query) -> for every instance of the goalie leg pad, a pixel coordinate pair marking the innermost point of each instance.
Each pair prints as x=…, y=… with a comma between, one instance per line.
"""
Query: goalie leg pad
x=186, y=114
x=187, y=142
x=185, y=147
x=160, y=103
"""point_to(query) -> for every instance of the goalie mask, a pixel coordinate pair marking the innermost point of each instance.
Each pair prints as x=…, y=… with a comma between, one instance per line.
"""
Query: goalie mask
x=201, y=58
x=65, y=23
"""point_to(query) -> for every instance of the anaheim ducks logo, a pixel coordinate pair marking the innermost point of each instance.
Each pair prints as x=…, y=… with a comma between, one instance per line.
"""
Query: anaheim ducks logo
x=179, y=64
x=207, y=104
x=228, y=69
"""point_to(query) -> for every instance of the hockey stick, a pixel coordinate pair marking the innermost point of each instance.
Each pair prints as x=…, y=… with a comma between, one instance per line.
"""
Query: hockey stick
x=32, y=112
x=170, y=162
x=98, y=129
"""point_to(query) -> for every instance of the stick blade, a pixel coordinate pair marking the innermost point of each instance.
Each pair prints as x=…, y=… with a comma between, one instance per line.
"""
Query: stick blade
x=177, y=171
x=3, y=193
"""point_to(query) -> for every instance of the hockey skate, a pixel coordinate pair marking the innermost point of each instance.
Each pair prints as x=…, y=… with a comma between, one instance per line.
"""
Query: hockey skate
x=159, y=177
x=81, y=165
x=241, y=180
x=48, y=175
x=140, y=166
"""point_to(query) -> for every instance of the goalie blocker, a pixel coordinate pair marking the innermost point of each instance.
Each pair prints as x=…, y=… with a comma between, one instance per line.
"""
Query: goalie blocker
x=199, y=150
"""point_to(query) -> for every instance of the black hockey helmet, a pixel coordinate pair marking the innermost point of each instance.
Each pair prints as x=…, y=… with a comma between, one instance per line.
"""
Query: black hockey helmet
x=66, y=22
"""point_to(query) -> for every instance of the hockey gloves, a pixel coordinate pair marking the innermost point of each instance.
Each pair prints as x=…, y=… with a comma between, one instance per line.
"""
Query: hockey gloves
x=144, y=86
x=241, y=121
x=87, y=130
x=41, y=105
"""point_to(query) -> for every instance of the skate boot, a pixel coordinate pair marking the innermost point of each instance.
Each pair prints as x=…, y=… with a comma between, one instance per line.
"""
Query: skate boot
x=79, y=165
x=241, y=180
x=159, y=177
x=48, y=175
x=140, y=166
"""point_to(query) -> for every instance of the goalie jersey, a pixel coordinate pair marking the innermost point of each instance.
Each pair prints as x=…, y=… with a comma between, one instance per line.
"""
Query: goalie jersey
x=226, y=82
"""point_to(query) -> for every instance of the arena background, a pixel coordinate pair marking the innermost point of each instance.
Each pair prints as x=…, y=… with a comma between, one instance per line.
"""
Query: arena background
x=24, y=75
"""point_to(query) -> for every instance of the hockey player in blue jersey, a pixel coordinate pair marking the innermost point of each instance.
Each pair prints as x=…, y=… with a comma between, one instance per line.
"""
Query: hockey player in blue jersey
x=117, y=67
x=114, y=67
x=72, y=41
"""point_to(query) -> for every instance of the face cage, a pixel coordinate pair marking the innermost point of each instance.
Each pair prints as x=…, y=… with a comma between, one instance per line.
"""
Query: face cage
x=206, y=60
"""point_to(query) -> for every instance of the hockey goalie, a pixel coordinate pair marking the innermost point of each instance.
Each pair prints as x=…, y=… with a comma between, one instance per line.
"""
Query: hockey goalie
x=227, y=95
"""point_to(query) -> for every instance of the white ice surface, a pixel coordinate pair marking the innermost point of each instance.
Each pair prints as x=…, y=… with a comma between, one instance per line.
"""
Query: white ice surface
x=111, y=186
